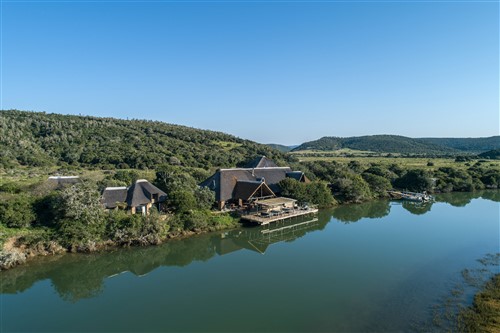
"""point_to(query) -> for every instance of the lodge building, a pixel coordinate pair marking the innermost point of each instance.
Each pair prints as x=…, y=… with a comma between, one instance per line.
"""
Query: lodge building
x=256, y=181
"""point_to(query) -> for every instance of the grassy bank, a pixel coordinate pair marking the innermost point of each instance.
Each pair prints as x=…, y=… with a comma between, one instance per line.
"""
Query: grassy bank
x=38, y=218
x=484, y=314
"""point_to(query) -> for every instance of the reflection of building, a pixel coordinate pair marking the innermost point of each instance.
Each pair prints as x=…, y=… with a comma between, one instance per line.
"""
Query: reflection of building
x=259, y=239
x=79, y=282
x=139, y=197
x=257, y=180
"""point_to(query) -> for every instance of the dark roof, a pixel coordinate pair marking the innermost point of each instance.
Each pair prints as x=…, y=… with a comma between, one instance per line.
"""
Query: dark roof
x=246, y=189
x=297, y=175
x=261, y=162
x=224, y=181
x=112, y=195
x=262, y=169
x=142, y=192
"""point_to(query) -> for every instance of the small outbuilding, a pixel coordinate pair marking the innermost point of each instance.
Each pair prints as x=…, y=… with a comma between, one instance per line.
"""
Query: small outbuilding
x=139, y=197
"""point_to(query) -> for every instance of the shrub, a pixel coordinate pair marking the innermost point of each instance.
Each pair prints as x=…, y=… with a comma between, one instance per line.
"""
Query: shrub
x=378, y=184
x=414, y=180
x=352, y=188
x=17, y=212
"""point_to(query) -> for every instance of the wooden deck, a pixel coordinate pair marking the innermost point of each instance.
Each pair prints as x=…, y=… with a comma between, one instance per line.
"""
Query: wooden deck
x=263, y=220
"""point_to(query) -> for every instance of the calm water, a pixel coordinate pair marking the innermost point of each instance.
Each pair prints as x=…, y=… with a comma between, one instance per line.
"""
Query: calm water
x=372, y=267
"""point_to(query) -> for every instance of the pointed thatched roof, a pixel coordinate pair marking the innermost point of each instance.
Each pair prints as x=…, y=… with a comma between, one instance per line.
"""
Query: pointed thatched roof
x=298, y=175
x=141, y=193
x=261, y=162
x=224, y=181
x=247, y=189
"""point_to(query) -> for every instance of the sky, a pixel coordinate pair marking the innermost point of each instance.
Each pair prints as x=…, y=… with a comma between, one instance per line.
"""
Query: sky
x=270, y=71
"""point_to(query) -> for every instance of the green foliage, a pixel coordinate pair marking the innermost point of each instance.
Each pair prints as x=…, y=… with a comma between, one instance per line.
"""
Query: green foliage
x=182, y=189
x=135, y=229
x=351, y=188
x=196, y=220
x=80, y=217
x=126, y=176
x=281, y=148
x=319, y=194
x=314, y=193
x=414, y=180
x=17, y=212
x=492, y=154
x=377, y=143
x=204, y=198
x=491, y=179
x=484, y=314
x=472, y=145
x=39, y=139
x=171, y=178
x=81, y=202
x=182, y=201
x=378, y=184
x=293, y=189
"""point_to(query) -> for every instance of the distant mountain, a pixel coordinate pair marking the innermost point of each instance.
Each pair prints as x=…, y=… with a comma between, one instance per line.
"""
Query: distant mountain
x=377, y=143
x=40, y=139
x=281, y=148
x=472, y=145
x=491, y=154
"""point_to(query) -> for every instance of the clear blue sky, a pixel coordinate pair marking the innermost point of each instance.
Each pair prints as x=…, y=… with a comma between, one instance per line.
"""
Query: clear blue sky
x=283, y=72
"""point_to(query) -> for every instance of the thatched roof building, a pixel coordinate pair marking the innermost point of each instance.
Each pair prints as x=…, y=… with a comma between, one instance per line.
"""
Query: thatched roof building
x=141, y=196
x=244, y=184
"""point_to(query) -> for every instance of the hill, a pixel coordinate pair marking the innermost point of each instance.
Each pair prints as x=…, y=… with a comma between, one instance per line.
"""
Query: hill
x=377, y=143
x=472, y=145
x=281, y=148
x=492, y=154
x=40, y=139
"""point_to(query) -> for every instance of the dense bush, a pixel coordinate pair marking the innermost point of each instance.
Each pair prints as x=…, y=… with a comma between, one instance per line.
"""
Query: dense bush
x=17, y=212
x=39, y=139
x=414, y=180
x=352, y=188
x=314, y=193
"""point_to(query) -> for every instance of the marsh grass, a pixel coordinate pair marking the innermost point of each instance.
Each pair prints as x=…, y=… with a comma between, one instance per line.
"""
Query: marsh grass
x=453, y=312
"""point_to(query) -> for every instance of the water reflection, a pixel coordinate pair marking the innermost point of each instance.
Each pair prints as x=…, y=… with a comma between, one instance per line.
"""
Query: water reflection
x=355, y=212
x=77, y=276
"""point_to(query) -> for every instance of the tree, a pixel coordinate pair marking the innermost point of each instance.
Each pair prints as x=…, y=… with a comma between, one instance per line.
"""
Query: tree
x=293, y=189
x=414, y=180
x=319, y=194
x=80, y=214
x=352, y=188
x=182, y=201
x=17, y=212
x=378, y=184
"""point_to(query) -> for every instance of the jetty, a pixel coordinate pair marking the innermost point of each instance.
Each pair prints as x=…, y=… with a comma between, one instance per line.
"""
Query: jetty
x=410, y=196
x=277, y=209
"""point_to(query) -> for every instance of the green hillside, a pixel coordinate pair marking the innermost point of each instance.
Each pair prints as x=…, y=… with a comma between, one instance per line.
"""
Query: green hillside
x=473, y=145
x=377, y=143
x=492, y=154
x=40, y=139
x=281, y=148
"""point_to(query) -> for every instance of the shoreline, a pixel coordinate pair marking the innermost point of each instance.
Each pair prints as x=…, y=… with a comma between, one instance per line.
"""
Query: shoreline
x=13, y=255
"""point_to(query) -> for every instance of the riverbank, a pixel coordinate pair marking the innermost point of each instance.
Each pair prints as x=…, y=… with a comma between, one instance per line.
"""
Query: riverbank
x=484, y=314
x=414, y=260
x=26, y=245
x=20, y=245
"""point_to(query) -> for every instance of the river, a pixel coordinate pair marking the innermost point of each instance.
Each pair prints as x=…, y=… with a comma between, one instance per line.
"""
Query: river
x=377, y=266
